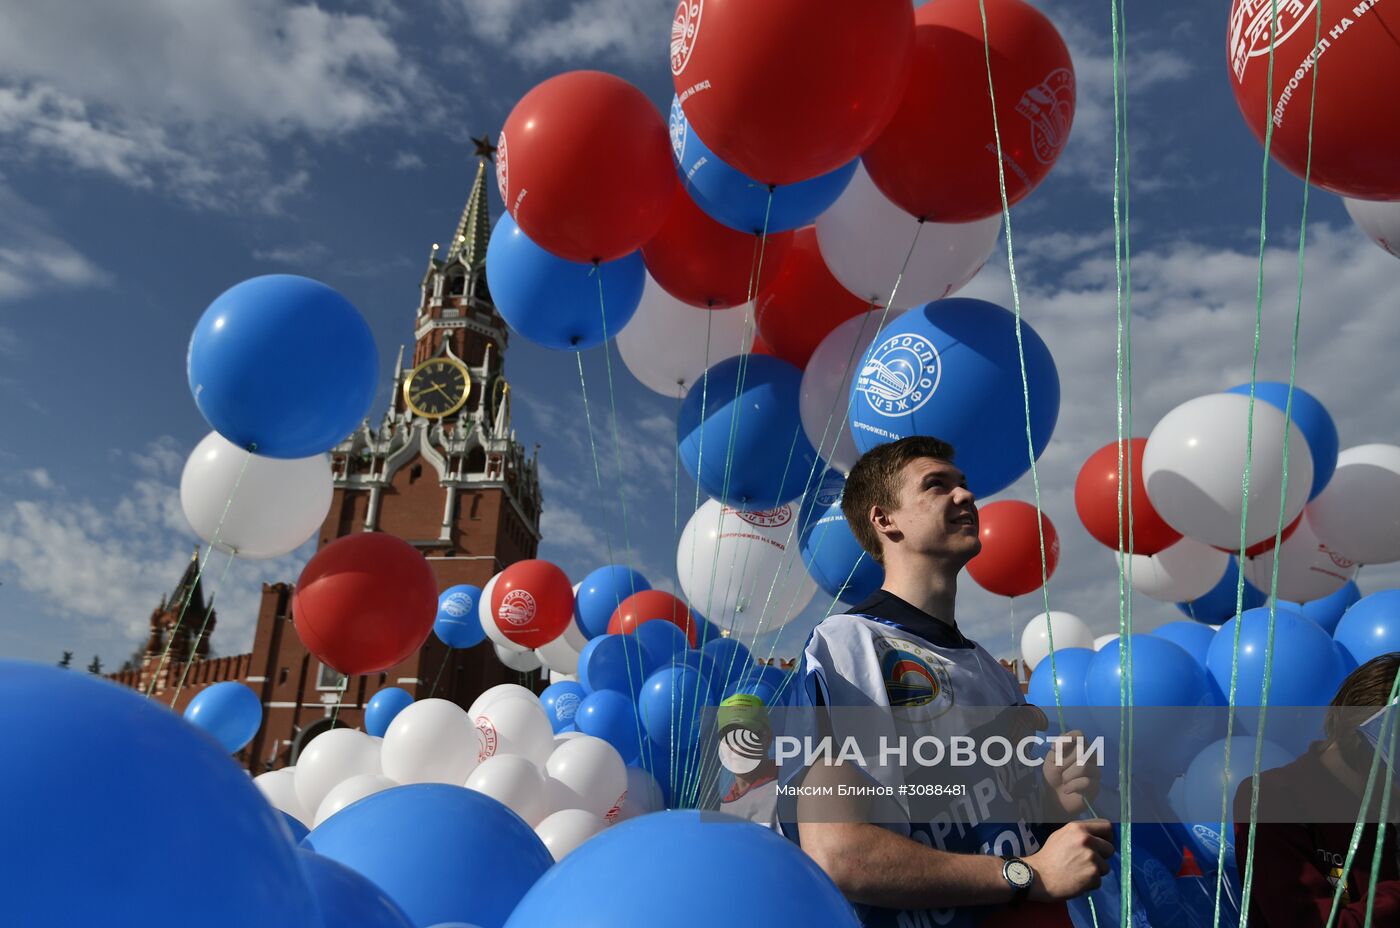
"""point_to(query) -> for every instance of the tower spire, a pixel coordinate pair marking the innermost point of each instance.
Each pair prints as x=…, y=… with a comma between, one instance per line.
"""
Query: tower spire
x=189, y=581
x=474, y=229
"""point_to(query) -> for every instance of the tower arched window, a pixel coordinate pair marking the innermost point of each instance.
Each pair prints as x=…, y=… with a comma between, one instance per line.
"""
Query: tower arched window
x=476, y=460
x=456, y=284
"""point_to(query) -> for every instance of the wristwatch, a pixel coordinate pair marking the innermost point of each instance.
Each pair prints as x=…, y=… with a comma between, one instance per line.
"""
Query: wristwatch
x=1019, y=875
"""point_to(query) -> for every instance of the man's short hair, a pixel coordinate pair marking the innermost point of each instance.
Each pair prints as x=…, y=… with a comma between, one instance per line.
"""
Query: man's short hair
x=875, y=481
x=1366, y=686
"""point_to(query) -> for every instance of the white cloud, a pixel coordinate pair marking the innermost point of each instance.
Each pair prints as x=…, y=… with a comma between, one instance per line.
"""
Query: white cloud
x=634, y=31
x=34, y=259
x=407, y=161
x=40, y=478
x=301, y=255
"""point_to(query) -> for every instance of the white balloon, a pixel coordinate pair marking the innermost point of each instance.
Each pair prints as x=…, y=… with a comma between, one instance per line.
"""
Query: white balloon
x=498, y=692
x=351, y=791
x=431, y=741
x=586, y=773
x=563, y=736
x=1069, y=631
x=1185, y=571
x=557, y=677
x=1307, y=568
x=1194, y=465
x=567, y=829
x=1100, y=642
x=523, y=661
x=826, y=388
x=728, y=559
x=331, y=758
x=1357, y=515
x=668, y=344
x=516, y=783
x=561, y=654
x=643, y=796
x=279, y=503
x=279, y=789
x=1379, y=219
x=488, y=621
x=515, y=726
x=864, y=239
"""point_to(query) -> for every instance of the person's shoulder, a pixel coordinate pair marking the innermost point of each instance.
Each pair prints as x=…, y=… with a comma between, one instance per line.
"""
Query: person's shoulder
x=1278, y=786
x=842, y=625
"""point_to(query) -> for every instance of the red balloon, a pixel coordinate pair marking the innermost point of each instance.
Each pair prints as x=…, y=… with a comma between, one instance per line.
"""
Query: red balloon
x=704, y=263
x=759, y=345
x=1355, y=126
x=1029, y=915
x=1096, y=493
x=937, y=157
x=1259, y=547
x=803, y=303
x=1009, y=564
x=533, y=602
x=365, y=602
x=584, y=166
x=784, y=90
x=651, y=606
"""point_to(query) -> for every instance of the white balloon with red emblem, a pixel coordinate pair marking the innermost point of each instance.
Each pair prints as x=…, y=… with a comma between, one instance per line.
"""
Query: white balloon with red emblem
x=1069, y=632
x=351, y=791
x=865, y=239
x=586, y=773
x=740, y=569
x=1307, y=568
x=330, y=759
x=514, y=725
x=1185, y=571
x=826, y=388
x=668, y=345
x=1194, y=465
x=1379, y=219
x=514, y=782
x=523, y=661
x=431, y=741
x=1358, y=514
x=643, y=796
x=566, y=829
x=280, y=790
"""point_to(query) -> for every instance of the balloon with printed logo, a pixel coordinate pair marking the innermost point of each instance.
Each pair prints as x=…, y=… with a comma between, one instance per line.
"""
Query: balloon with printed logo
x=1184, y=571
x=803, y=302
x=735, y=566
x=704, y=263
x=365, y=602
x=251, y=506
x=487, y=615
x=1307, y=568
x=515, y=725
x=953, y=369
x=1358, y=515
x=258, y=382
x=668, y=345
x=1328, y=610
x=1379, y=219
x=647, y=606
x=1338, y=143
x=1195, y=461
x=601, y=592
x=789, y=89
x=584, y=166
x=230, y=712
x=937, y=158
x=1068, y=630
x=533, y=602
x=383, y=707
x=835, y=560
x=737, y=200
x=1311, y=416
x=865, y=240
x=561, y=701
x=556, y=303
x=741, y=437
x=1104, y=506
x=1217, y=604
x=826, y=388
x=456, y=624
x=1371, y=627
x=1010, y=562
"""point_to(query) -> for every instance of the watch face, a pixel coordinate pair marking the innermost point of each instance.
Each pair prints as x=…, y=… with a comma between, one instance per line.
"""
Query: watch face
x=437, y=388
x=1018, y=872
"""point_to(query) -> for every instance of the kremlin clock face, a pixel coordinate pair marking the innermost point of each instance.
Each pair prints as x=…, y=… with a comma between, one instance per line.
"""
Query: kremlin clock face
x=437, y=388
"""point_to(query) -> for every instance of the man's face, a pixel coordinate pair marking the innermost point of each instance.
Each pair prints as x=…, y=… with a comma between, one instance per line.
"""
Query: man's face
x=937, y=514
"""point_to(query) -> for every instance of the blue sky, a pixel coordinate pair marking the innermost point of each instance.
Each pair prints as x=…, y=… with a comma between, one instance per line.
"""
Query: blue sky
x=152, y=157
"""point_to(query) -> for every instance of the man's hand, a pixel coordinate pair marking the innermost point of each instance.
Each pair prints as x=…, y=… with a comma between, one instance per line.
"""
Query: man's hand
x=1073, y=860
x=1071, y=785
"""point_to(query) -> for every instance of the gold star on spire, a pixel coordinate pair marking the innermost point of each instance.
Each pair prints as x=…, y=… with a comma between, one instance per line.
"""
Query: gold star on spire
x=484, y=148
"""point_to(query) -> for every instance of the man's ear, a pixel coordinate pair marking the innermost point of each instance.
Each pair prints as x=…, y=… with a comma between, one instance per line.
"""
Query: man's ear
x=884, y=522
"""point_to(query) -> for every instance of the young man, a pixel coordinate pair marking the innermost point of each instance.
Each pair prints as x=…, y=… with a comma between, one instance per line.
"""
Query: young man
x=1297, y=866
x=900, y=654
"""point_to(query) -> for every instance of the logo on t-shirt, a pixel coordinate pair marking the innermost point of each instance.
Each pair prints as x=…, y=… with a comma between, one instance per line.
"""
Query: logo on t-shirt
x=914, y=676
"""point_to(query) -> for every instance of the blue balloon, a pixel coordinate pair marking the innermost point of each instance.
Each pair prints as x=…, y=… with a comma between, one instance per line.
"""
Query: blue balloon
x=740, y=202
x=383, y=706
x=1198, y=799
x=1218, y=605
x=703, y=664
x=730, y=661
x=229, y=711
x=671, y=704
x=838, y=563
x=443, y=853
x=609, y=715
x=1071, y=671
x=1371, y=627
x=1193, y=636
x=652, y=850
x=951, y=368
x=1313, y=420
x=458, y=623
x=347, y=898
x=663, y=639
x=615, y=662
x=283, y=366
x=601, y=592
x=1307, y=665
x=295, y=826
x=556, y=303
x=1328, y=610
x=561, y=701
x=93, y=750
x=752, y=436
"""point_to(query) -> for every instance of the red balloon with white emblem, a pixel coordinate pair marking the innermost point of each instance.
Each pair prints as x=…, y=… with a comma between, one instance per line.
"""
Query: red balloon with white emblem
x=1009, y=564
x=532, y=602
x=1355, y=126
x=937, y=157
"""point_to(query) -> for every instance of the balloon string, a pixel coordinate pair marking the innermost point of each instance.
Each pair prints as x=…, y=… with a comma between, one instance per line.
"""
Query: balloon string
x=189, y=594
x=203, y=627
x=441, y=667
